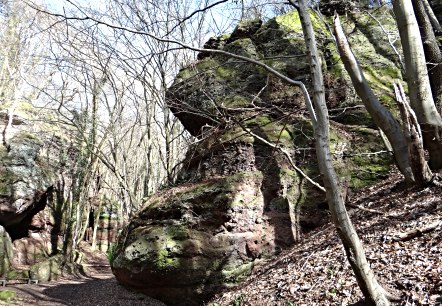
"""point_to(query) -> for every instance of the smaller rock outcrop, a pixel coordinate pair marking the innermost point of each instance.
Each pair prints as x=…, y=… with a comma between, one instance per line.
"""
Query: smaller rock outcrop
x=26, y=181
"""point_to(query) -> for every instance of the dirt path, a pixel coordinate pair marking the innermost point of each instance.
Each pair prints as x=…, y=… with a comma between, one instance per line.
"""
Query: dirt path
x=98, y=288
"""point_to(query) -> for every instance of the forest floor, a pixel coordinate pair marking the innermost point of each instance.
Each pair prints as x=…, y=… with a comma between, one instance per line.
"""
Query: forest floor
x=97, y=287
x=401, y=232
x=400, y=228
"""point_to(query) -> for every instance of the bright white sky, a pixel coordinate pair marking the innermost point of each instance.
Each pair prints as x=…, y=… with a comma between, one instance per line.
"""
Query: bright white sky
x=57, y=6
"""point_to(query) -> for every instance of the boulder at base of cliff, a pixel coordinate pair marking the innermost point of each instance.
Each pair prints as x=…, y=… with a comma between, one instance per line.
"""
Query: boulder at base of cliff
x=194, y=240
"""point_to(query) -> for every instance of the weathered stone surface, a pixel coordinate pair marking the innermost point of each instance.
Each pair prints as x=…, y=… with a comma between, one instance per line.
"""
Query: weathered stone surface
x=25, y=185
x=48, y=269
x=192, y=240
x=239, y=198
x=30, y=250
x=24, y=182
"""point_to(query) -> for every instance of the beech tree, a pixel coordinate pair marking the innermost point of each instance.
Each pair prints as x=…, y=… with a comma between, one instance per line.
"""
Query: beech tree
x=428, y=26
x=419, y=89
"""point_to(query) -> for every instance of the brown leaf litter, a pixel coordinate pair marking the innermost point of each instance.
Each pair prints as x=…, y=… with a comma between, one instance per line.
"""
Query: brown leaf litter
x=400, y=229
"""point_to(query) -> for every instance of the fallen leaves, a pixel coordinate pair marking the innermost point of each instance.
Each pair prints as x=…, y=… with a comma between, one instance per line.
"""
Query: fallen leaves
x=403, y=244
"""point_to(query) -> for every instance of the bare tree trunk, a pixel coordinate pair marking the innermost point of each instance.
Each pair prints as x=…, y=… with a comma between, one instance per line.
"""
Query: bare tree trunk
x=433, y=19
x=67, y=239
x=96, y=224
x=371, y=289
x=418, y=83
x=414, y=175
x=433, y=54
x=412, y=133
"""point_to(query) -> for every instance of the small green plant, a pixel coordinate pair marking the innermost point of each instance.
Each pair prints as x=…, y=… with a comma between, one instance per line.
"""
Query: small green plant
x=7, y=295
x=111, y=252
x=238, y=299
x=288, y=303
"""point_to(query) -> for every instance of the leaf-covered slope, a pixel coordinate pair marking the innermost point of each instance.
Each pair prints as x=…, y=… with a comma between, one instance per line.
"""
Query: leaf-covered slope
x=400, y=229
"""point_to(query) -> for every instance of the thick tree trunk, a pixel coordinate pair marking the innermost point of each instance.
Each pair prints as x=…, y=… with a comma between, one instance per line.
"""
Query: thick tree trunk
x=433, y=54
x=419, y=89
x=380, y=114
x=372, y=291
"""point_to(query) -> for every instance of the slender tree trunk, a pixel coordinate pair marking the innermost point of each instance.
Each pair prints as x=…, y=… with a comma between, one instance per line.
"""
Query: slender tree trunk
x=412, y=133
x=433, y=19
x=419, y=89
x=67, y=239
x=433, y=54
x=371, y=289
x=96, y=224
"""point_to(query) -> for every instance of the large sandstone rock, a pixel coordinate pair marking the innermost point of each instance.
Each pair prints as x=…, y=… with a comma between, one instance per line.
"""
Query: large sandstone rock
x=48, y=269
x=239, y=198
x=195, y=239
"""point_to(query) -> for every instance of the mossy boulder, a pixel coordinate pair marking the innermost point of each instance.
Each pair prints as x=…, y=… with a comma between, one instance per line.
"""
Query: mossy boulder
x=191, y=241
x=7, y=296
x=48, y=269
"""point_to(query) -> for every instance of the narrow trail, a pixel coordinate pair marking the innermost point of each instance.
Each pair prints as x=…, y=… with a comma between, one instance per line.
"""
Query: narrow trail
x=98, y=288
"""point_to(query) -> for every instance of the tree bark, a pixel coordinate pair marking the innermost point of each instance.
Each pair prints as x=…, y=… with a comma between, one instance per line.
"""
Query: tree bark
x=419, y=89
x=372, y=291
x=380, y=114
x=433, y=54
x=413, y=135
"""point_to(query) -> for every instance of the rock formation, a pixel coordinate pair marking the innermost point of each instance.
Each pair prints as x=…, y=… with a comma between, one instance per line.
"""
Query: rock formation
x=238, y=197
x=26, y=182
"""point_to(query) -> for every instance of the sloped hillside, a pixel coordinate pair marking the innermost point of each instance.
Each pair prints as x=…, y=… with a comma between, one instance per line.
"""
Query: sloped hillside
x=401, y=230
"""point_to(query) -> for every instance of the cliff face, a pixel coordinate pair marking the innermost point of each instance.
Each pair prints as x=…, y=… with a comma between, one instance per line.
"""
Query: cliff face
x=27, y=219
x=239, y=198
